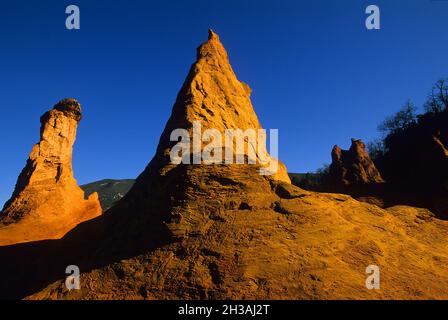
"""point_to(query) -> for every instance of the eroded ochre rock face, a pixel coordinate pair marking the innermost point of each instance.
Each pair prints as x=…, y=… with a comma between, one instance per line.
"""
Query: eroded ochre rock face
x=47, y=201
x=226, y=232
x=353, y=166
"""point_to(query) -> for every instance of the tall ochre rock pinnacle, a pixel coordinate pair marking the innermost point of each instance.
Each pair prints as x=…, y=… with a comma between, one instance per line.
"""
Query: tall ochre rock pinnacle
x=47, y=202
x=212, y=95
x=172, y=194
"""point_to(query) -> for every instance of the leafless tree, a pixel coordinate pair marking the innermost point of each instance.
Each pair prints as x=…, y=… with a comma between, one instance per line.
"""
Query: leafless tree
x=401, y=120
x=438, y=98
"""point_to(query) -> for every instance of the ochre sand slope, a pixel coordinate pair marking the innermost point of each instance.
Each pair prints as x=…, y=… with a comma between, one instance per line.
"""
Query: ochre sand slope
x=252, y=238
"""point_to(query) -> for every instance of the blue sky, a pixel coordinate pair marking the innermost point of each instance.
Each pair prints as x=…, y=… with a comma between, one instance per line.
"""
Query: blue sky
x=317, y=74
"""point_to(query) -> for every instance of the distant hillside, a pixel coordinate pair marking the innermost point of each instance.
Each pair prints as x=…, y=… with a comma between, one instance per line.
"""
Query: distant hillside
x=308, y=181
x=109, y=190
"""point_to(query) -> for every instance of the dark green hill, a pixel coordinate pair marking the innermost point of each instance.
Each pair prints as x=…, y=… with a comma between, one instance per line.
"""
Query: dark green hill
x=308, y=181
x=109, y=190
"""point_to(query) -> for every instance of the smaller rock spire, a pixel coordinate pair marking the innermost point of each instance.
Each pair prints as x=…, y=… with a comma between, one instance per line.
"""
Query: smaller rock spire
x=353, y=166
x=47, y=201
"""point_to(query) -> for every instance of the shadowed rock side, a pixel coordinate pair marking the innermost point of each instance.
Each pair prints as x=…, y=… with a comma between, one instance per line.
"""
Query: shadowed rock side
x=417, y=158
x=47, y=202
x=353, y=166
x=226, y=232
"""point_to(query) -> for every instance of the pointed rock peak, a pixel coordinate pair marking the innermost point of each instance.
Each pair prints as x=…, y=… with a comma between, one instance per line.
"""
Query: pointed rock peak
x=212, y=35
x=336, y=153
x=212, y=49
x=357, y=144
